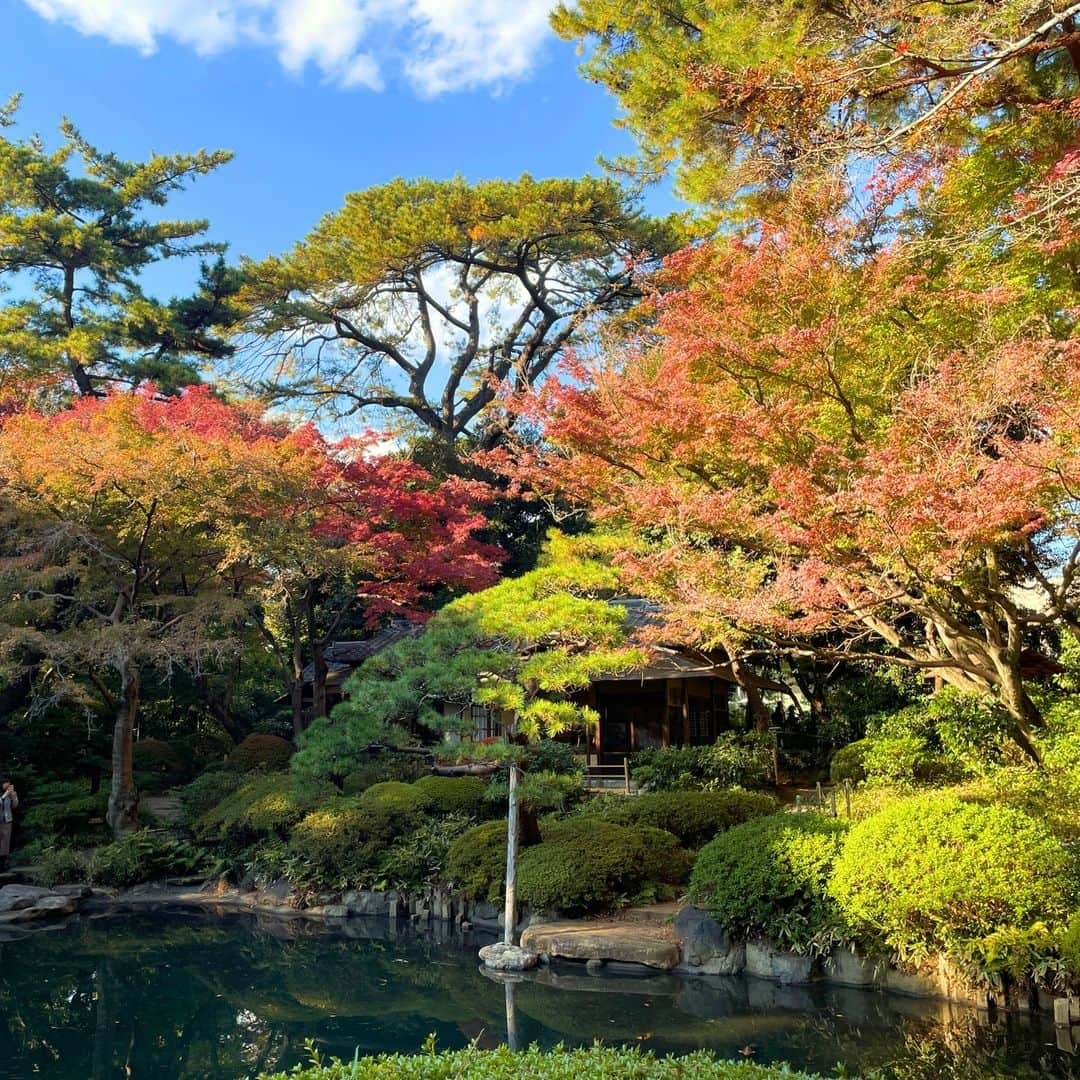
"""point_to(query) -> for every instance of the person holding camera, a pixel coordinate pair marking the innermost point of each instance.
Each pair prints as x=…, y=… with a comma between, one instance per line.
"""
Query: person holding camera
x=9, y=802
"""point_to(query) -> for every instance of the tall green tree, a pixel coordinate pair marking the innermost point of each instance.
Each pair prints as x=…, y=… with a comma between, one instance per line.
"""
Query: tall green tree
x=77, y=228
x=419, y=297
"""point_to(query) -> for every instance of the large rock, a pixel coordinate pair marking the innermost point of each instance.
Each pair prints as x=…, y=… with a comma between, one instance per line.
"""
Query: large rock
x=627, y=942
x=764, y=960
x=503, y=957
x=707, y=949
x=846, y=967
x=49, y=906
x=13, y=897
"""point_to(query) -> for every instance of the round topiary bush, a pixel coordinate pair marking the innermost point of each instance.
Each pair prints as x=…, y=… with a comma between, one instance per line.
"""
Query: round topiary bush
x=476, y=864
x=770, y=876
x=588, y=865
x=695, y=817
x=934, y=873
x=156, y=764
x=335, y=842
x=454, y=794
x=268, y=753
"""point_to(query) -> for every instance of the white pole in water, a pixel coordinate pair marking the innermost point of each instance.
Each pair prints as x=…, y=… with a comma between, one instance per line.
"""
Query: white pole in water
x=509, y=912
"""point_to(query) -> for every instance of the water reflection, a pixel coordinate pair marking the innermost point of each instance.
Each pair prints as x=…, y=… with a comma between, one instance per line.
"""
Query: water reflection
x=185, y=995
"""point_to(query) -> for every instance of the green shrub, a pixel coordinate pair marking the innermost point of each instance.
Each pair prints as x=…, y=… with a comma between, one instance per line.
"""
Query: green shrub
x=344, y=841
x=60, y=866
x=664, y=861
x=68, y=811
x=385, y=765
x=476, y=861
x=586, y=865
x=592, y=1063
x=157, y=765
x=336, y=843
x=263, y=807
x=1070, y=945
x=770, y=876
x=418, y=860
x=454, y=794
x=552, y=756
x=205, y=792
x=736, y=759
x=695, y=817
x=935, y=873
x=538, y=791
x=144, y=856
x=268, y=753
x=849, y=762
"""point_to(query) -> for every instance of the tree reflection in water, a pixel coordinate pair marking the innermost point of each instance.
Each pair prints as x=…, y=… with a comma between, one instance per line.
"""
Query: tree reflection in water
x=182, y=995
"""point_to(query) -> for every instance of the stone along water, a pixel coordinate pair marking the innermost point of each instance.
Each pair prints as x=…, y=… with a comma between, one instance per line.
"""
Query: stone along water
x=184, y=994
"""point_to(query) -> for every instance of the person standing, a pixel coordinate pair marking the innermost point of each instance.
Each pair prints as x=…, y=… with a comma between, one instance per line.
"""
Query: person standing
x=9, y=802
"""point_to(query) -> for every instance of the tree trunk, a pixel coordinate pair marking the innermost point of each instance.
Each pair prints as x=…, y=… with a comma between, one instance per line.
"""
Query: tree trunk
x=123, y=798
x=510, y=910
x=318, y=655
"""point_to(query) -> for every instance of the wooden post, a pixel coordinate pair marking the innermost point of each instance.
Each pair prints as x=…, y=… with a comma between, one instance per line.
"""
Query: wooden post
x=832, y=794
x=510, y=910
x=820, y=796
x=626, y=775
x=847, y=797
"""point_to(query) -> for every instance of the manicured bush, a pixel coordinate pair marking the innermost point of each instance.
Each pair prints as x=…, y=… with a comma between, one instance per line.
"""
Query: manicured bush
x=537, y=791
x=591, y=1063
x=454, y=794
x=695, y=817
x=268, y=753
x=336, y=843
x=264, y=806
x=935, y=873
x=586, y=865
x=664, y=859
x=157, y=765
x=770, y=876
x=736, y=759
x=385, y=765
x=476, y=863
x=205, y=792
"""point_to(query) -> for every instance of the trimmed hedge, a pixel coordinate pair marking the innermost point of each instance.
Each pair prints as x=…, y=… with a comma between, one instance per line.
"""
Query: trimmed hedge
x=476, y=865
x=588, y=865
x=695, y=817
x=770, y=876
x=590, y=1063
x=936, y=873
x=270, y=753
x=454, y=794
x=262, y=808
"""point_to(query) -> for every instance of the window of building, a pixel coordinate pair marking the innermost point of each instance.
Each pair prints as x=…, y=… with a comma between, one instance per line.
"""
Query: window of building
x=485, y=724
x=701, y=721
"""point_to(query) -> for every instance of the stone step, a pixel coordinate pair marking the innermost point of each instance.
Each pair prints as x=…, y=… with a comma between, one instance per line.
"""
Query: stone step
x=605, y=940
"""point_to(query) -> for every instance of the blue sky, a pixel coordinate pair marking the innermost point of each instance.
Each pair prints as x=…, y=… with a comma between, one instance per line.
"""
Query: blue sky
x=315, y=97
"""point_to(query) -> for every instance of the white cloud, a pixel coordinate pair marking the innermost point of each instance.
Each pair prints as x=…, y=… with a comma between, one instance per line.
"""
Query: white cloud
x=439, y=45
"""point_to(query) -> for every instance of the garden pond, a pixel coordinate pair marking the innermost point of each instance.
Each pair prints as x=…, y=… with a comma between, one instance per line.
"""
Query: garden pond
x=182, y=993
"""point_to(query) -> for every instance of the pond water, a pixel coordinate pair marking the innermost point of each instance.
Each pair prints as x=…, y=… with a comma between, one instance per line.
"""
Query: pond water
x=183, y=994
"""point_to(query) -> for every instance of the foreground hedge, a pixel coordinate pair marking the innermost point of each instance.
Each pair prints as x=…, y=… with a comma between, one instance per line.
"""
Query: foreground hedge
x=592, y=1063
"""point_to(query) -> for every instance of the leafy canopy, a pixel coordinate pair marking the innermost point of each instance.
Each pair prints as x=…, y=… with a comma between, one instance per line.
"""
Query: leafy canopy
x=525, y=646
